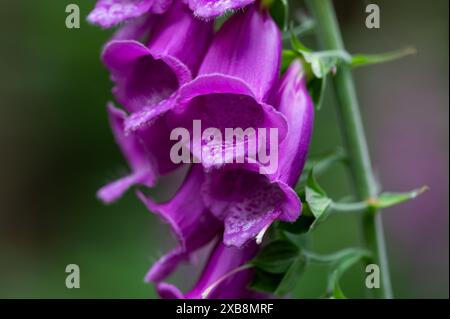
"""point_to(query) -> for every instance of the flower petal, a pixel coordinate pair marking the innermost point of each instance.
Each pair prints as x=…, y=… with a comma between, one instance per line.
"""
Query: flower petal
x=166, y=265
x=141, y=79
x=168, y=291
x=146, y=75
x=190, y=220
x=214, y=8
x=173, y=37
x=161, y=6
x=224, y=103
x=217, y=280
x=114, y=190
x=148, y=115
x=248, y=203
x=295, y=104
x=108, y=13
x=136, y=29
x=248, y=47
x=142, y=171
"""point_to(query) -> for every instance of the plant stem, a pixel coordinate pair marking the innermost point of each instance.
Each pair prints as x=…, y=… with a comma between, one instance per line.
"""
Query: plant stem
x=355, y=140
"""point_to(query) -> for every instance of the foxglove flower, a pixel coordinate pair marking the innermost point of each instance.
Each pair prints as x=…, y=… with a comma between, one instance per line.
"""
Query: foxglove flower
x=221, y=278
x=135, y=154
x=248, y=202
x=147, y=79
x=232, y=86
x=190, y=221
x=108, y=13
x=148, y=74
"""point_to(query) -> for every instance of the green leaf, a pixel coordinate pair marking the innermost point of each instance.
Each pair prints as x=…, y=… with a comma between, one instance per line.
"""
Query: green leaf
x=386, y=200
x=301, y=225
x=290, y=279
x=316, y=88
x=343, y=261
x=278, y=267
x=282, y=283
x=369, y=59
x=320, y=64
x=306, y=27
x=322, y=163
x=279, y=10
x=317, y=199
x=336, y=292
x=316, y=204
x=265, y=281
x=279, y=284
x=277, y=256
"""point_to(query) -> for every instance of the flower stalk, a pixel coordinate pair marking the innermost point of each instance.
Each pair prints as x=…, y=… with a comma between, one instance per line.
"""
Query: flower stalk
x=355, y=140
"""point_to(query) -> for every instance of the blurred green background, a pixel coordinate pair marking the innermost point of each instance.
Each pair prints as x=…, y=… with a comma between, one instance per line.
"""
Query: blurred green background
x=57, y=150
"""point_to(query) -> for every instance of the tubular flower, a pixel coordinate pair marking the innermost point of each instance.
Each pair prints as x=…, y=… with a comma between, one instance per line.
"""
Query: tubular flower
x=190, y=221
x=249, y=202
x=148, y=74
x=221, y=278
x=184, y=74
x=147, y=79
x=232, y=87
x=135, y=154
x=108, y=13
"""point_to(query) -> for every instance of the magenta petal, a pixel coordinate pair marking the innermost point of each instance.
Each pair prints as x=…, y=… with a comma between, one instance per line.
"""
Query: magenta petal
x=141, y=78
x=188, y=218
x=294, y=102
x=149, y=115
x=146, y=75
x=291, y=207
x=135, y=29
x=248, y=203
x=168, y=291
x=142, y=171
x=224, y=102
x=221, y=263
x=214, y=8
x=221, y=278
x=114, y=190
x=178, y=34
x=248, y=47
x=166, y=265
x=108, y=13
x=161, y=6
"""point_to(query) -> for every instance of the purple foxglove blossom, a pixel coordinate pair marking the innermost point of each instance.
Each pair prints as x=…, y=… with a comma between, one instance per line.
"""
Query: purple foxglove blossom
x=213, y=8
x=135, y=154
x=190, y=221
x=146, y=75
x=147, y=79
x=221, y=278
x=248, y=202
x=108, y=13
x=233, y=85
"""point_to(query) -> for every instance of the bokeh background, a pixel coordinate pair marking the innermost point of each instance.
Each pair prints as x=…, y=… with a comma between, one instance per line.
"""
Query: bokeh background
x=57, y=150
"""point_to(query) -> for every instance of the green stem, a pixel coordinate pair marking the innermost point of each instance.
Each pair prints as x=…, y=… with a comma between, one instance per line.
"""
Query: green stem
x=349, y=207
x=356, y=144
